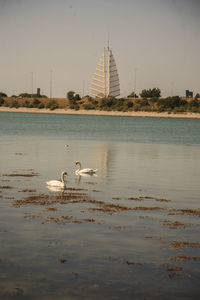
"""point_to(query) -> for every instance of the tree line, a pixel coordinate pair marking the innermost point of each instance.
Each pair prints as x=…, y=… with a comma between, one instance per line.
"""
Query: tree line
x=150, y=100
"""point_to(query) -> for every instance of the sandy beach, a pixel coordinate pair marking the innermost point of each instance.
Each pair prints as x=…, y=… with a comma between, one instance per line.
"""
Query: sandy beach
x=101, y=113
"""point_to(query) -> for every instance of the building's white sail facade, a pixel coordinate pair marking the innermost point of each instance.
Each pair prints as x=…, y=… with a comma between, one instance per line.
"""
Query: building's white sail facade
x=106, y=80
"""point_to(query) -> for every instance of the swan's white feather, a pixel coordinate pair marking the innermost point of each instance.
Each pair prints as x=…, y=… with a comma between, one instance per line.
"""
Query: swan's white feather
x=58, y=183
x=55, y=183
x=86, y=171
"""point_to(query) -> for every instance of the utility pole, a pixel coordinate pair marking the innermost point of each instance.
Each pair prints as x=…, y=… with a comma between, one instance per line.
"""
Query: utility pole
x=135, y=80
x=51, y=83
x=83, y=91
x=31, y=83
x=172, y=88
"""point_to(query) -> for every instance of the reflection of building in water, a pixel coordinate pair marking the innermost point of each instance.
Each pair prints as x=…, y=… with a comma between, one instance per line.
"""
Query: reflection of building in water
x=105, y=157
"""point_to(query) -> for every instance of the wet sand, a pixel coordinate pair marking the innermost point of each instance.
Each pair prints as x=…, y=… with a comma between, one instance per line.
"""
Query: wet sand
x=101, y=113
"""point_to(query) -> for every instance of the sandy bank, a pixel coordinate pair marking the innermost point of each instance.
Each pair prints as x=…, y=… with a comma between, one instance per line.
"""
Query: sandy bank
x=100, y=113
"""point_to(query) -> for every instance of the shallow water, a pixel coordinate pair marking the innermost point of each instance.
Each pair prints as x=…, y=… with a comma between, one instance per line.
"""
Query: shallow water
x=132, y=231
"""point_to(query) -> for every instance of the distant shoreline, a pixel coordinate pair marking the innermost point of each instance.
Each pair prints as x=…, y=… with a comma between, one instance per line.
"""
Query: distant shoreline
x=143, y=114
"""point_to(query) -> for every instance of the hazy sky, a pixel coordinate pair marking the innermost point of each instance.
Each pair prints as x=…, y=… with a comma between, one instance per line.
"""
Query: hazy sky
x=160, y=39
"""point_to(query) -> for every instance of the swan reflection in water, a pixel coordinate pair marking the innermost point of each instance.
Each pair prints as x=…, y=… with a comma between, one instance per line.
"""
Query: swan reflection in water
x=79, y=176
x=56, y=188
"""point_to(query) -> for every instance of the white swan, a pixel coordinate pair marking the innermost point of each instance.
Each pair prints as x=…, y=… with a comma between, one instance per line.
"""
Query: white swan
x=58, y=183
x=84, y=171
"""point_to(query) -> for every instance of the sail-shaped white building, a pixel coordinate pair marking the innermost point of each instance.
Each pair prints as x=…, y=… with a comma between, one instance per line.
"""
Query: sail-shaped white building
x=105, y=81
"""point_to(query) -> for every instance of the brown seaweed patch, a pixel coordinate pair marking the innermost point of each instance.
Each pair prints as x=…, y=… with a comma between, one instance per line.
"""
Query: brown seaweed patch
x=18, y=153
x=175, y=269
x=136, y=199
x=90, y=182
x=162, y=200
x=6, y=187
x=133, y=263
x=174, y=275
x=147, y=197
x=51, y=208
x=33, y=217
x=96, y=191
x=184, y=258
x=77, y=221
x=67, y=218
x=181, y=245
x=87, y=200
x=22, y=175
x=63, y=220
x=119, y=228
x=149, y=208
x=163, y=243
x=89, y=220
x=53, y=220
x=74, y=189
x=62, y=260
x=116, y=198
x=45, y=199
x=27, y=191
x=189, y=212
x=156, y=199
x=107, y=208
x=174, y=225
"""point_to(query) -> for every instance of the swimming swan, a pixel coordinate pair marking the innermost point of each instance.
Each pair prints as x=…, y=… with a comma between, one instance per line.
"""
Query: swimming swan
x=84, y=171
x=58, y=183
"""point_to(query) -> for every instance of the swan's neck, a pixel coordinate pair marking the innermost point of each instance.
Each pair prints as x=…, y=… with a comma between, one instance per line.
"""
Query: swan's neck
x=62, y=177
x=79, y=165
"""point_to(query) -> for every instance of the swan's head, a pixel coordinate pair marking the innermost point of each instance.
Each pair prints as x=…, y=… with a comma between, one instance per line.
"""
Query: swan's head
x=64, y=173
x=78, y=163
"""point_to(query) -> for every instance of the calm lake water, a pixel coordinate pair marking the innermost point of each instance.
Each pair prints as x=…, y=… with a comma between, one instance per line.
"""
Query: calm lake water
x=132, y=231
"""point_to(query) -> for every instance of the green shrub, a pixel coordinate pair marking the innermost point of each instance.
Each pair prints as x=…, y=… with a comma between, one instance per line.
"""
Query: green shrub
x=90, y=99
x=70, y=95
x=150, y=93
x=3, y=94
x=171, y=102
x=154, y=100
x=76, y=107
x=77, y=97
x=2, y=101
x=137, y=107
x=41, y=105
x=88, y=106
x=52, y=105
x=129, y=104
x=194, y=103
x=95, y=102
x=14, y=104
x=142, y=102
x=36, y=102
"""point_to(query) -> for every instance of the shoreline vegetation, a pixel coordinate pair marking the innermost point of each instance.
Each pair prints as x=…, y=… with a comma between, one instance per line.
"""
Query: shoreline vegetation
x=101, y=113
x=170, y=107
